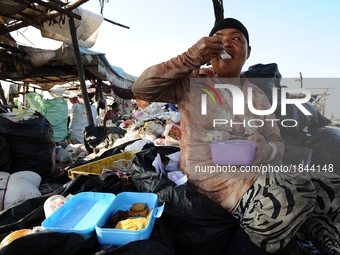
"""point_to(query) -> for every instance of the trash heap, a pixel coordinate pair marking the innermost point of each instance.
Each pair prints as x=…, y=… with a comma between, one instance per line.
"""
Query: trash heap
x=158, y=123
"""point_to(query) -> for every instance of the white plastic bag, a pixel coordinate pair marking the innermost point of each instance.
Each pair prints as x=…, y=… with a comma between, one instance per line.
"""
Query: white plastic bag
x=21, y=186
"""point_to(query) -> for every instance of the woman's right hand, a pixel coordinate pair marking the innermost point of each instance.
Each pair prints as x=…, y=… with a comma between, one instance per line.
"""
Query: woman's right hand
x=210, y=47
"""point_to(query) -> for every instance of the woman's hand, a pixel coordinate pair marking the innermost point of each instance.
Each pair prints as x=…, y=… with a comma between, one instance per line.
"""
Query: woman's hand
x=210, y=47
x=263, y=150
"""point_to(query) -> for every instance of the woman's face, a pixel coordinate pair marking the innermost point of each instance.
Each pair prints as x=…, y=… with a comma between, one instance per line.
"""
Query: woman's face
x=237, y=47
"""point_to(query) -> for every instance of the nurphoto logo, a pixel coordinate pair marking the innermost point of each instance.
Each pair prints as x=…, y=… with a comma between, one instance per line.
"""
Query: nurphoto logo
x=238, y=99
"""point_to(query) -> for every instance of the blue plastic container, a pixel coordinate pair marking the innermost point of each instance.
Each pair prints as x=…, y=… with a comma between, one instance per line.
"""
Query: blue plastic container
x=124, y=201
x=79, y=214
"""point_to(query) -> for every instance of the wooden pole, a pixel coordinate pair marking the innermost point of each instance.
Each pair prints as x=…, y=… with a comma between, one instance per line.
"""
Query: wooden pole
x=218, y=10
x=2, y=95
x=81, y=73
x=115, y=23
x=42, y=18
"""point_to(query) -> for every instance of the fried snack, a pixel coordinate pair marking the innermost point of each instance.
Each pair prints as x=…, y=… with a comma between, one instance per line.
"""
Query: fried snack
x=118, y=216
x=138, y=214
x=138, y=209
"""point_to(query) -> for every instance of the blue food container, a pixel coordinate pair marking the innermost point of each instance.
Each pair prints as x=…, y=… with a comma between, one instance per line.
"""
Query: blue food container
x=124, y=201
x=79, y=214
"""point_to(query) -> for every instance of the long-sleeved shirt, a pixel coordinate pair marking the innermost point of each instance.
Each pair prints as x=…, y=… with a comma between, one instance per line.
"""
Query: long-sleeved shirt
x=173, y=82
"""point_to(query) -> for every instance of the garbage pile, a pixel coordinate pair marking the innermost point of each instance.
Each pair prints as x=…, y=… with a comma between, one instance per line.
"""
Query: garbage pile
x=158, y=123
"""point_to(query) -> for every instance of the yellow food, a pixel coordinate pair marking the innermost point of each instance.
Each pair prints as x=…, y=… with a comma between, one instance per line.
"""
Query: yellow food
x=14, y=235
x=133, y=223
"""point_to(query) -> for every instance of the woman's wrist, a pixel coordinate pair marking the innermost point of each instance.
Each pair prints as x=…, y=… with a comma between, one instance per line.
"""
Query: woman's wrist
x=273, y=150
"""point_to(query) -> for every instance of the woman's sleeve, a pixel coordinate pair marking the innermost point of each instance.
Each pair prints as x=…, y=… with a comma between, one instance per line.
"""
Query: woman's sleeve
x=167, y=81
x=271, y=133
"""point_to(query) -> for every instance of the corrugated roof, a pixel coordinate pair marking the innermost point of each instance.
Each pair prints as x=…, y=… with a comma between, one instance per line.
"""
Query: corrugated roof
x=47, y=68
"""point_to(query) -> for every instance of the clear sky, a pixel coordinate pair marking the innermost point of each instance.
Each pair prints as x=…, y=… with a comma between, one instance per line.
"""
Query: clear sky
x=300, y=36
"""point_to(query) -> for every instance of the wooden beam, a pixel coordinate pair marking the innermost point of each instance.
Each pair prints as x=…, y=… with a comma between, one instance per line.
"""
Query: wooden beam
x=81, y=72
x=42, y=18
x=11, y=48
x=2, y=95
x=218, y=10
x=56, y=8
x=115, y=23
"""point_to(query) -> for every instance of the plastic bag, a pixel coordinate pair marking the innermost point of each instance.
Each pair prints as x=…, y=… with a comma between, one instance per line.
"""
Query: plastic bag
x=78, y=121
x=49, y=242
x=55, y=111
x=32, y=145
x=101, y=137
x=57, y=115
x=138, y=145
x=5, y=155
x=21, y=186
x=27, y=214
x=63, y=155
x=142, y=169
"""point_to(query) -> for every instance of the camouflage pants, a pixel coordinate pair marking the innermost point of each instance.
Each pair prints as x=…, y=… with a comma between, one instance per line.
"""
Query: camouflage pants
x=278, y=204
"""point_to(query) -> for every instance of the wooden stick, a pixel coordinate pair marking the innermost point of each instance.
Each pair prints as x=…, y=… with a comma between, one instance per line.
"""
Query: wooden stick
x=42, y=18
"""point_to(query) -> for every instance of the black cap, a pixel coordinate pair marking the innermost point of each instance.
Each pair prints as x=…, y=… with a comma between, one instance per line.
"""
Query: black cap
x=230, y=23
